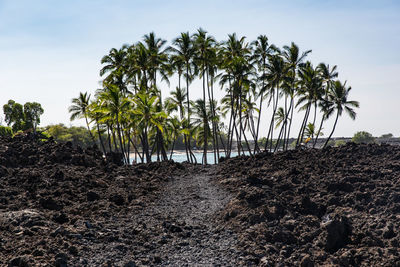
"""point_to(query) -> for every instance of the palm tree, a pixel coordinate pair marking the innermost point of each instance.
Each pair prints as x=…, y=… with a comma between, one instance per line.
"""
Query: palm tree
x=115, y=103
x=275, y=72
x=262, y=50
x=328, y=75
x=177, y=102
x=95, y=112
x=149, y=117
x=293, y=60
x=80, y=109
x=157, y=64
x=115, y=64
x=201, y=124
x=311, y=92
x=185, y=51
x=203, y=45
x=338, y=98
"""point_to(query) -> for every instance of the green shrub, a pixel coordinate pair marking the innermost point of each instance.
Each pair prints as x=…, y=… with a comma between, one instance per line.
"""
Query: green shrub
x=340, y=143
x=363, y=137
x=6, y=131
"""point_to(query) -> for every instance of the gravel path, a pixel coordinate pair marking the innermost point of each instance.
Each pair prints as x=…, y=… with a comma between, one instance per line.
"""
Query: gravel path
x=187, y=209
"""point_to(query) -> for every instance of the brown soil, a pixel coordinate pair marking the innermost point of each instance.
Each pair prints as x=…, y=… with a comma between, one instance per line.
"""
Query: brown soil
x=337, y=206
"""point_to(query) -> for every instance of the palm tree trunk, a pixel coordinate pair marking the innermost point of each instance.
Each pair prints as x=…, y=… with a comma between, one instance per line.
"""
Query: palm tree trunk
x=205, y=145
x=120, y=138
x=109, y=137
x=172, y=149
x=100, y=138
x=319, y=130
x=212, y=114
x=256, y=147
x=304, y=125
x=334, y=127
x=214, y=118
x=290, y=121
x=90, y=132
x=188, y=112
x=279, y=137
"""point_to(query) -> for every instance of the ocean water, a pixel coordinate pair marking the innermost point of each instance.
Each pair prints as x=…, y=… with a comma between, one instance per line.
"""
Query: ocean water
x=181, y=157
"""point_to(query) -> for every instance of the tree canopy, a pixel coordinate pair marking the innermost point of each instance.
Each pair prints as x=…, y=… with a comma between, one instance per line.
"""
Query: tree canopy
x=22, y=117
x=129, y=114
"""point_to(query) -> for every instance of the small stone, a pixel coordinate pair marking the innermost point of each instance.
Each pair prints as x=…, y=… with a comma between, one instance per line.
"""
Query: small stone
x=92, y=196
x=130, y=264
x=306, y=261
x=61, y=260
x=19, y=262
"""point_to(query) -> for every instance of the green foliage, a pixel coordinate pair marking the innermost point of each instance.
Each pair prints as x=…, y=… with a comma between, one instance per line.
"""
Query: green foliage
x=32, y=112
x=363, y=137
x=6, y=131
x=130, y=113
x=24, y=117
x=76, y=135
x=340, y=143
x=14, y=115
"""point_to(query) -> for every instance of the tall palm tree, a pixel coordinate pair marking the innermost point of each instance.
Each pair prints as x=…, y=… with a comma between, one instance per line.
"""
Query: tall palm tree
x=261, y=50
x=184, y=50
x=157, y=64
x=311, y=92
x=115, y=65
x=293, y=60
x=328, y=75
x=275, y=72
x=338, y=98
x=80, y=110
x=203, y=45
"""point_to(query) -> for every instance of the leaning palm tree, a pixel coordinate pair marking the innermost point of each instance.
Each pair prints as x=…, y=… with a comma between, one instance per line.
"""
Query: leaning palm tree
x=80, y=110
x=338, y=98
x=276, y=70
x=328, y=75
x=311, y=92
x=293, y=60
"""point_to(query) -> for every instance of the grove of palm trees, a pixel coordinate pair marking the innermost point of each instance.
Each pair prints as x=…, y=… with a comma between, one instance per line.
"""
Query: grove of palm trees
x=262, y=85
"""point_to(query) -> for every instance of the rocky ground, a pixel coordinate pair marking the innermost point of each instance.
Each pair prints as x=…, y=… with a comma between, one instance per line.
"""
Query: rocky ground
x=335, y=207
x=64, y=206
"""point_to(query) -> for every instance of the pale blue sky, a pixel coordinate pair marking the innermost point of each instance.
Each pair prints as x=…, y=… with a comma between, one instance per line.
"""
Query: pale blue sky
x=50, y=50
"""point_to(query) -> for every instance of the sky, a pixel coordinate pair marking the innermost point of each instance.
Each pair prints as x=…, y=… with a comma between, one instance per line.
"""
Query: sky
x=51, y=50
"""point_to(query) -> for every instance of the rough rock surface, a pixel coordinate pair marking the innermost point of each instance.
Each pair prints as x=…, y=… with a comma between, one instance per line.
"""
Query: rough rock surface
x=336, y=206
x=64, y=206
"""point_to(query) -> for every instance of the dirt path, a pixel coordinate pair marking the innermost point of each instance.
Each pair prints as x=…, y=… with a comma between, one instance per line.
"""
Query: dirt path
x=187, y=210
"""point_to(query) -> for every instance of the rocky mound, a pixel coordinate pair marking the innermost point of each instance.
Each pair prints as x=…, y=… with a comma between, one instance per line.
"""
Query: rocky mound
x=60, y=205
x=336, y=206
